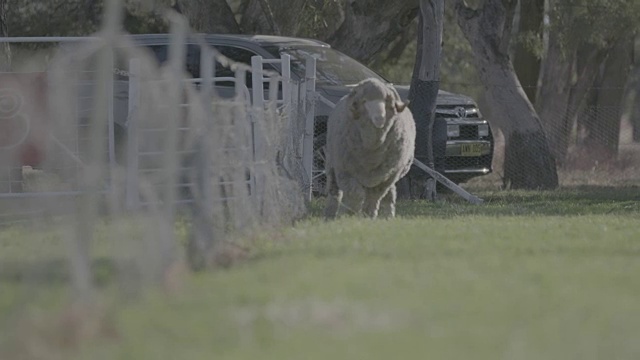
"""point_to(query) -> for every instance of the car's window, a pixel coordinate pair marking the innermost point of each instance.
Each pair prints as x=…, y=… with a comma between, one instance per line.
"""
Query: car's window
x=332, y=66
x=235, y=54
x=192, y=62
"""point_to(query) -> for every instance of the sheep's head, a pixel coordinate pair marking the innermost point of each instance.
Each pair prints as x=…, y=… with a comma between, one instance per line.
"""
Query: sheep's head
x=376, y=102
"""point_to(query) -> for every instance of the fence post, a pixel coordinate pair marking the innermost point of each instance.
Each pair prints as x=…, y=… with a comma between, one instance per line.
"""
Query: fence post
x=258, y=124
x=132, y=200
x=285, y=60
x=309, y=124
x=207, y=73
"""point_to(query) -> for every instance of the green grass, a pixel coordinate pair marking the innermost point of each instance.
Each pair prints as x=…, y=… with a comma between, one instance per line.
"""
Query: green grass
x=527, y=275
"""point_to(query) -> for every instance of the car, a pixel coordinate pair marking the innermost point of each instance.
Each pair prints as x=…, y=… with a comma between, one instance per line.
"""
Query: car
x=462, y=140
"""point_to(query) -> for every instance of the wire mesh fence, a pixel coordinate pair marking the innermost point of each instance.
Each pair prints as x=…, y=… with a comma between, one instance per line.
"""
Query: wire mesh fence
x=593, y=144
x=121, y=161
x=119, y=167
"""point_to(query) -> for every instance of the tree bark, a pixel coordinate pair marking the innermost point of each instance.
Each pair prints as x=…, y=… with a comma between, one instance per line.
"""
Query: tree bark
x=4, y=32
x=425, y=83
x=635, y=102
x=209, y=16
x=359, y=28
x=370, y=25
x=526, y=62
x=566, y=77
x=529, y=163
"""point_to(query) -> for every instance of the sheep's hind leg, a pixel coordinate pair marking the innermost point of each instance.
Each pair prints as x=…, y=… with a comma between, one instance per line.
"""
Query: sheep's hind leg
x=334, y=196
x=353, y=199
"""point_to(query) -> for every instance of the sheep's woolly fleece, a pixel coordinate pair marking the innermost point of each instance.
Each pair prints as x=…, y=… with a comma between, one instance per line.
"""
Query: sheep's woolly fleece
x=370, y=146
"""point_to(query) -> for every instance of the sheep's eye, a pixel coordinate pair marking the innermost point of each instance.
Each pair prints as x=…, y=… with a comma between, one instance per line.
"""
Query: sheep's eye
x=389, y=103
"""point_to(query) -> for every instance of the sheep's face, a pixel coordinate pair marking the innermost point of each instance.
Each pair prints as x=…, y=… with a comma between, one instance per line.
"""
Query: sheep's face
x=376, y=112
x=376, y=103
x=380, y=110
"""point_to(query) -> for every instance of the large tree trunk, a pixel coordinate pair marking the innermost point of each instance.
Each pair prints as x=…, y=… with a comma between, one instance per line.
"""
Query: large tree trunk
x=529, y=163
x=370, y=25
x=601, y=121
x=635, y=101
x=552, y=99
x=526, y=62
x=424, y=88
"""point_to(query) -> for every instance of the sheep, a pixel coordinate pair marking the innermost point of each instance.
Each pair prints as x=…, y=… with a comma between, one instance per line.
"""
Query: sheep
x=370, y=146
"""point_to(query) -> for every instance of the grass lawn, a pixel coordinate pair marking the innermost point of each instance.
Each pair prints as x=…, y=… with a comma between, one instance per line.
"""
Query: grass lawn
x=527, y=275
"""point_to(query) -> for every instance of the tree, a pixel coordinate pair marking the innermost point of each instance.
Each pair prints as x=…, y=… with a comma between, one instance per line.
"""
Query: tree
x=529, y=41
x=580, y=37
x=425, y=83
x=600, y=120
x=359, y=28
x=209, y=16
x=529, y=163
x=4, y=32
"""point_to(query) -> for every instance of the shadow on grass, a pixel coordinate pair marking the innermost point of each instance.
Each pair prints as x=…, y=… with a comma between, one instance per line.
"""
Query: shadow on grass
x=566, y=201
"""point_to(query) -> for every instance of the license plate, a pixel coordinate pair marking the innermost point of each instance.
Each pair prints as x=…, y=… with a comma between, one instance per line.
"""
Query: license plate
x=472, y=149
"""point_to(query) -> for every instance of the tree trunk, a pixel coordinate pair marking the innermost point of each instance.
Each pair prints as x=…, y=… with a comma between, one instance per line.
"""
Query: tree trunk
x=359, y=28
x=635, y=102
x=568, y=71
x=552, y=99
x=370, y=25
x=601, y=123
x=5, y=62
x=529, y=163
x=209, y=16
x=526, y=62
x=425, y=83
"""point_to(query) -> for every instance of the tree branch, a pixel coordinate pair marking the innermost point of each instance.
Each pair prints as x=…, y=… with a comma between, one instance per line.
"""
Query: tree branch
x=507, y=28
x=268, y=13
x=468, y=18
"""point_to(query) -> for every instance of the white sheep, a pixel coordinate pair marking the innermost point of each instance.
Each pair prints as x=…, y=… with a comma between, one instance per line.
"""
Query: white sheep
x=370, y=146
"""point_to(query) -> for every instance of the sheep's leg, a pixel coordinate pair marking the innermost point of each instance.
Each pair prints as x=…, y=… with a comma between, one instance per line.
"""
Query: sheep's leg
x=353, y=193
x=353, y=199
x=372, y=201
x=334, y=196
x=388, y=204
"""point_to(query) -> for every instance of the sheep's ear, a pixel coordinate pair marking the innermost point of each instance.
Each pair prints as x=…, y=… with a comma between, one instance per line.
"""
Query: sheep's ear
x=400, y=106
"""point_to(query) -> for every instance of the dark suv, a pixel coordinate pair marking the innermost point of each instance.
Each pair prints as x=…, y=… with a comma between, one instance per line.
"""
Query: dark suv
x=463, y=139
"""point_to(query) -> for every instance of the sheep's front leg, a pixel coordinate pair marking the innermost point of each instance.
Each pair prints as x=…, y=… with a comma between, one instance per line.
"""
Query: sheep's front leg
x=372, y=201
x=352, y=200
x=334, y=196
x=353, y=192
x=388, y=204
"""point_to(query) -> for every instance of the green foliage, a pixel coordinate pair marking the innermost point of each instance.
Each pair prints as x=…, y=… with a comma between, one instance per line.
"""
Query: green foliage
x=594, y=22
x=315, y=18
x=531, y=41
